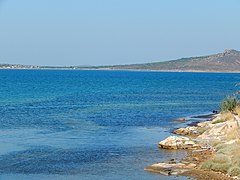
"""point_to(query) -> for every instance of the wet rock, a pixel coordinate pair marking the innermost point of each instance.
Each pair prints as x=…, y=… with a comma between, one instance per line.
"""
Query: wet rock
x=181, y=120
x=195, y=123
x=205, y=116
x=170, y=169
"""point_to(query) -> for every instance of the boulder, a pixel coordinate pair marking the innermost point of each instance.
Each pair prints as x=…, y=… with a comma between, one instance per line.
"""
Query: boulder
x=181, y=131
x=177, y=142
x=190, y=130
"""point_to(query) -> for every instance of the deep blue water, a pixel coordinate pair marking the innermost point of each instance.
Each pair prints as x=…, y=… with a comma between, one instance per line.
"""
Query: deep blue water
x=97, y=124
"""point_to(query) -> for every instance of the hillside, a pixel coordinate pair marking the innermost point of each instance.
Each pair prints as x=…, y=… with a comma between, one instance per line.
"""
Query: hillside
x=229, y=60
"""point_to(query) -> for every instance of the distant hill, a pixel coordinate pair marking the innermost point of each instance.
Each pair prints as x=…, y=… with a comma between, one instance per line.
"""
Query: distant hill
x=229, y=60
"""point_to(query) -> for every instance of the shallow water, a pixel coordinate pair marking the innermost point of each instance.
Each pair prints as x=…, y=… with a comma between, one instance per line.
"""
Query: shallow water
x=97, y=124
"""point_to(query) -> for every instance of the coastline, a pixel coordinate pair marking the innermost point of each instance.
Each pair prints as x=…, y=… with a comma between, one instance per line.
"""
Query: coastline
x=131, y=70
x=204, y=142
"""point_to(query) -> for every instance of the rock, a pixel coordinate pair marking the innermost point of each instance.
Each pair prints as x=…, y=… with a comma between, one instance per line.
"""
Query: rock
x=186, y=131
x=195, y=123
x=170, y=169
x=205, y=116
x=206, y=124
x=171, y=161
x=220, y=131
x=169, y=166
x=229, y=51
x=181, y=131
x=191, y=165
x=178, y=142
x=195, y=159
x=181, y=119
x=208, y=134
x=191, y=143
x=231, y=142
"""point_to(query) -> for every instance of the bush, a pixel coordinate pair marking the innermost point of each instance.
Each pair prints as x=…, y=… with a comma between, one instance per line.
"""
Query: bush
x=234, y=171
x=207, y=165
x=218, y=167
x=221, y=158
x=229, y=104
x=236, y=160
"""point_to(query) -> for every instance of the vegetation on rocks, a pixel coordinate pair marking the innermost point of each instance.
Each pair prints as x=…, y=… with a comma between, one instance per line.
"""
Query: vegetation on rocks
x=226, y=160
x=222, y=137
x=227, y=154
x=214, y=144
x=229, y=104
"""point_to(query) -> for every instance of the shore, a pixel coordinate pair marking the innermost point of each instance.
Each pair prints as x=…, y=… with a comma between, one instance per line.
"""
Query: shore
x=212, y=147
x=116, y=69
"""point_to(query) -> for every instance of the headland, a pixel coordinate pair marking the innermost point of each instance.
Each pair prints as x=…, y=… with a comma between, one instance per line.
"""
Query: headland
x=212, y=145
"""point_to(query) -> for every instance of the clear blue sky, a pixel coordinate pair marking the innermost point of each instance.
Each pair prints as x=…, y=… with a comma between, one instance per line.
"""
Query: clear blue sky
x=100, y=32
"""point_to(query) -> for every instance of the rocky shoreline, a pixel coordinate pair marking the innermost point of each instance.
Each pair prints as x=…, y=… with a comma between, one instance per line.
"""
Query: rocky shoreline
x=205, y=143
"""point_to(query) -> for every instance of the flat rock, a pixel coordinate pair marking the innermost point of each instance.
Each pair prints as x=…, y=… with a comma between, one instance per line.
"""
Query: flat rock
x=170, y=169
x=180, y=120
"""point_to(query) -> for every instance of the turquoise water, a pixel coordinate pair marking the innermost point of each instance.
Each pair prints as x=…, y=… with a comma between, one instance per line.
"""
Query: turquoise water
x=97, y=124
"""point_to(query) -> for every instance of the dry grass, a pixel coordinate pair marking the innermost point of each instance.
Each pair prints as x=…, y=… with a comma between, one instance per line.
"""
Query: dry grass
x=227, y=154
x=227, y=116
x=233, y=134
x=216, y=142
x=220, y=163
x=226, y=160
x=230, y=149
x=218, y=167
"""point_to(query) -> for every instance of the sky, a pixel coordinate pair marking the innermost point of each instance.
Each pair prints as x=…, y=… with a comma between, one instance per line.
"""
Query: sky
x=108, y=32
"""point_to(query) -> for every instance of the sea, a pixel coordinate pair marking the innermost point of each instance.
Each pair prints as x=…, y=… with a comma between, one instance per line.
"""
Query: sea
x=94, y=124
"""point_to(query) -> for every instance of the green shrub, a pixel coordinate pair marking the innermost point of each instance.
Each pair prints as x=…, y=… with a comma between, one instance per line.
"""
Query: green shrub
x=236, y=161
x=221, y=158
x=234, y=171
x=229, y=104
x=220, y=163
x=218, y=167
x=207, y=165
x=220, y=146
